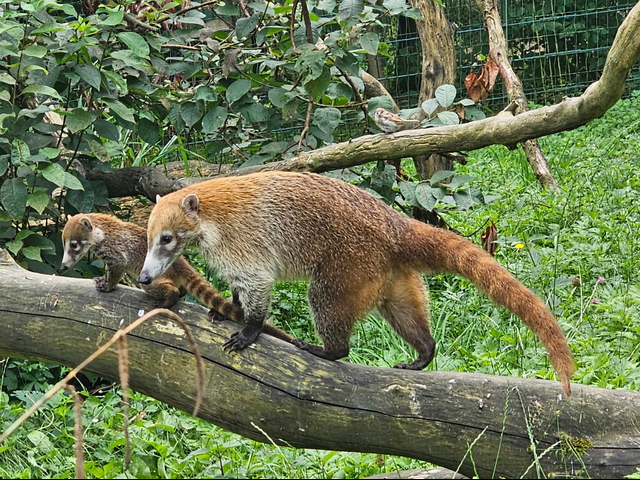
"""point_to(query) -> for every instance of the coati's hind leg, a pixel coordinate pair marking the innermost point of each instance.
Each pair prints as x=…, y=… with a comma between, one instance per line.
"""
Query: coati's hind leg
x=404, y=306
x=335, y=309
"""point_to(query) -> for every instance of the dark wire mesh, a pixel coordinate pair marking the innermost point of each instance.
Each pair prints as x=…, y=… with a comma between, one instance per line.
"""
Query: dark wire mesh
x=557, y=47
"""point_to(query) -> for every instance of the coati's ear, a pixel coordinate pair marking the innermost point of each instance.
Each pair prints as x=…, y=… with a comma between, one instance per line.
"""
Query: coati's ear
x=86, y=223
x=190, y=204
x=158, y=197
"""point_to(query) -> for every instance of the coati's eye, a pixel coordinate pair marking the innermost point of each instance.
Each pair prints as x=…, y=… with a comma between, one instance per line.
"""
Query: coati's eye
x=73, y=244
x=165, y=239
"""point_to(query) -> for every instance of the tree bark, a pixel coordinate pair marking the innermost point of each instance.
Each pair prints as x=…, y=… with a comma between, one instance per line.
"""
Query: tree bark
x=499, y=53
x=502, y=129
x=438, y=68
x=471, y=423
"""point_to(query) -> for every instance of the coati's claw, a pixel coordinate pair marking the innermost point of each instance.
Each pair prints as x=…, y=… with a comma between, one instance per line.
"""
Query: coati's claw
x=242, y=339
x=101, y=284
x=215, y=316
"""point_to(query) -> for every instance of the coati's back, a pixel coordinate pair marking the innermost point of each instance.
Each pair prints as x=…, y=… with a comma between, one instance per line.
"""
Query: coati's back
x=285, y=222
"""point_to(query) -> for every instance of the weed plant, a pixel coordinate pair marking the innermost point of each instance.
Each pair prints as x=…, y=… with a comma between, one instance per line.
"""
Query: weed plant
x=578, y=248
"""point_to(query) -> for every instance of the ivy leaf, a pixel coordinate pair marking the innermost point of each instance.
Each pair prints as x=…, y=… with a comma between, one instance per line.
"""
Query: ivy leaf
x=136, y=43
x=89, y=74
x=13, y=196
x=350, y=8
x=214, y=119
x=237, y=90
x=79, y=119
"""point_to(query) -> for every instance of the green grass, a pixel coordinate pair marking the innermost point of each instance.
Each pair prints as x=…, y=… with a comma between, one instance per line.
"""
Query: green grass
x=581, y=252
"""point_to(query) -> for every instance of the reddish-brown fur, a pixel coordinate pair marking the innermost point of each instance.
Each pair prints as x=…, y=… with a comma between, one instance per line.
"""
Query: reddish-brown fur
x=358, y=253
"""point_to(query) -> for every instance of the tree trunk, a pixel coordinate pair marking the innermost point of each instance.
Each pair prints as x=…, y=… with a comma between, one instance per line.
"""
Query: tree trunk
x=475, y=424
x=499, y=53
x=438, y=68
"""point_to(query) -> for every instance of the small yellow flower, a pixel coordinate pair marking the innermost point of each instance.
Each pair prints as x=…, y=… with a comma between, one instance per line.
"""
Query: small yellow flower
x=519, y=245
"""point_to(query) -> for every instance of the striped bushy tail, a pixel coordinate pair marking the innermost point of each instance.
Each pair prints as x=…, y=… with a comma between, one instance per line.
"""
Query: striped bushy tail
x=432, y=249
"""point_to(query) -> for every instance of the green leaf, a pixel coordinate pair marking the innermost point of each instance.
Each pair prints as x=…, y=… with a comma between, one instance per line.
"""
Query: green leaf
x=408, y=191
x=37, y=51
x=8, y=79
x=430, y=106
x=13, y=196
x=316, y=88
x=440, y=175
x=89, y=74
x=82, y=200
x=14, y=246
x=237, y=90
x=42, y=90
x=350, y=9
x=176, y=118
x=119, y=109
x=464, y=199
x=449, y=118
x=214, y=119
x=370, y=42
x=38, y=200
x=114, y=18
x=207, y=94
x=459, y=180
x=79, y=119
x=412, y=13
x=246, y=25
x=41, y=441
x=20, y=153
x=327, y=119
x=136, y=43
x=425, y=197
x=148, y=131
x=445, y=94
x=106, y=129
x=4, y=164
x=129, y=58
x=275, y=96
x=395, y=7
x=118, y=81
x=56, y=174
x=192, y=112
x=32, y=253
x=99, y=150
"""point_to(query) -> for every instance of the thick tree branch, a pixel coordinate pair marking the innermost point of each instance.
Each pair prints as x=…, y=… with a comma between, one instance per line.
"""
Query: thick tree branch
x=476, y=424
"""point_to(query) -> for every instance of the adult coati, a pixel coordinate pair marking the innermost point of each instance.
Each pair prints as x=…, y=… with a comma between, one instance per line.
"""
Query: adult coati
x=358, y=253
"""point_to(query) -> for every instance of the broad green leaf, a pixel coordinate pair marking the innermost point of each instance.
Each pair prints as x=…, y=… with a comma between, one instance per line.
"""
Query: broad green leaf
x=114, y=18
x=445, y=94
x=20, y=153
x=129, y=58
x=32, y=253
x=463, y=199
x=38, y=200
x=99, y=150
x=237, y=90
x=118, y=81
x=42, y=90
x=13, y=196
x=440, y=175
x=412, y=13
x=119, y=109
x=14, y=246
x=214, y=119
x=408, y=191
x=50, y=153
x=246, y=25
x=56, y=174
x=459, y=180
x=327, y=119
x=79, y=119
x=449, y=118
x=316, y=88
x=275, y=96
x=136, y=43
x=5, y=96
x=48, y=28
x=379, y=102
x=71, y=182
x=207, y=94
x=370, y=42
x=176, y=118
x=425, y=196
x=106, y=129
x=148, y=131
x=430, y=106
x=4, y=164
x=192, y=112
x=100, y=193
x=349, y=9
x=89, y=74
x=395, y=7
x=82, y=200
x=8, y=79
x=38, y=51
x=41, y=441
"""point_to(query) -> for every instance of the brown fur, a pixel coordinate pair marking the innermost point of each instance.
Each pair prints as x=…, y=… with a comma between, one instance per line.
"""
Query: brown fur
x=358, y=253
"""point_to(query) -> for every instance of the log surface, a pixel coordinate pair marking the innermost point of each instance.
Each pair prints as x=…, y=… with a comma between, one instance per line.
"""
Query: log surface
x=471, y=423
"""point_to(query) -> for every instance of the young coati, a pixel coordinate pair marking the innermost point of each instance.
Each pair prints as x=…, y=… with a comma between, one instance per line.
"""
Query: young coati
x=122, y=246
x=357, y=252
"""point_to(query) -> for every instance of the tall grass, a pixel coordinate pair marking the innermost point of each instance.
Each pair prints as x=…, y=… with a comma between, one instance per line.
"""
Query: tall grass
x=578, y=248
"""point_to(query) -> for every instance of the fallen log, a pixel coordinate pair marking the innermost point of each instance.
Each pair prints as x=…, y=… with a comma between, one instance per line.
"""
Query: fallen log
x=475, y=424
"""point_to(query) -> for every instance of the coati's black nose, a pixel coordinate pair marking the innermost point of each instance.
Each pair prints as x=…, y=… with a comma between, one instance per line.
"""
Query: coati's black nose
x=63, y=268
x=145, y=279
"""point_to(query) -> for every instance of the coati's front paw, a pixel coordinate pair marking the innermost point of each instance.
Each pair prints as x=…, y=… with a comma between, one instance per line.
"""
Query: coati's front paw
x=102, y=285
x=242, y=339
x=215, y=316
